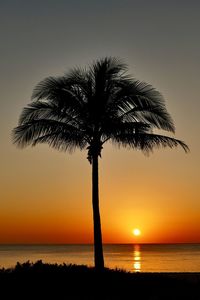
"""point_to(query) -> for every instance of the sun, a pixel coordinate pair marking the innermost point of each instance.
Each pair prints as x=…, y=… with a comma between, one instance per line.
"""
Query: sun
x=136, y=232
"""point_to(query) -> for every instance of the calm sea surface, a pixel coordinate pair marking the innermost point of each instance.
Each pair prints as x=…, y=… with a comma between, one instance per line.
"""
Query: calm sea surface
x=134, y=258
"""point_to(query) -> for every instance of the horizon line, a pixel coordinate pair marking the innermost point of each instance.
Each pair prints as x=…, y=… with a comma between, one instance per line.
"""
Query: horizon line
x=88, y=244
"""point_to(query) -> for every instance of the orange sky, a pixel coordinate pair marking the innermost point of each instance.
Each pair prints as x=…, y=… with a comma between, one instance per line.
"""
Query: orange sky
x=45, y=196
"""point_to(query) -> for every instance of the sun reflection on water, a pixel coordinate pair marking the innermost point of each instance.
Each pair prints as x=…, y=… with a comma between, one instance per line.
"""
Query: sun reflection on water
x=137, y=258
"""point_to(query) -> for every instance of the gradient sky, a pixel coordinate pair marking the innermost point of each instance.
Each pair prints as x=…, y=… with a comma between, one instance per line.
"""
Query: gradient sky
x=45, y=196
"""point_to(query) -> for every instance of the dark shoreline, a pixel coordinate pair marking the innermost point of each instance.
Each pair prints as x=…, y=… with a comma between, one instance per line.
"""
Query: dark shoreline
x=52, y=281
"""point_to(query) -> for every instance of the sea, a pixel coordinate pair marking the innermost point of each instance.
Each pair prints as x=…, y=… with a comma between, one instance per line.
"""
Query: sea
x=129, y=257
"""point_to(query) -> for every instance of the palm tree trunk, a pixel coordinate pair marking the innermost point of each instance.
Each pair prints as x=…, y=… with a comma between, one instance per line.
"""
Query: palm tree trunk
x=98, y=248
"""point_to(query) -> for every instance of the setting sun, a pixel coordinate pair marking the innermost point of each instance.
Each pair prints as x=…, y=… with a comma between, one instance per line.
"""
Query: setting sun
x=136, y=232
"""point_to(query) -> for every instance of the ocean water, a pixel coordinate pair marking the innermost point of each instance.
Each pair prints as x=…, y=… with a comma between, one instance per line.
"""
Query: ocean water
x=134, y=258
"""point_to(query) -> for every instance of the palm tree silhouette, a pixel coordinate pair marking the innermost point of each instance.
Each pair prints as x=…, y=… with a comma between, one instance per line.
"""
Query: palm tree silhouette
x=85, y=108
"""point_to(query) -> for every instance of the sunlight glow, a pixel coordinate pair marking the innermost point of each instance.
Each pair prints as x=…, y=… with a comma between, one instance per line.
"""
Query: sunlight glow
x=136, y=232
x=137, y=258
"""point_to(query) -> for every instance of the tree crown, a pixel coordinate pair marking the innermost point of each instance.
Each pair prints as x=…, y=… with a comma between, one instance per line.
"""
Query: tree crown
x=87, y=107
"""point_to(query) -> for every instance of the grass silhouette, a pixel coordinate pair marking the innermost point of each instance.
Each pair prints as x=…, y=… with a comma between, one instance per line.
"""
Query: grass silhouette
x=52, y=281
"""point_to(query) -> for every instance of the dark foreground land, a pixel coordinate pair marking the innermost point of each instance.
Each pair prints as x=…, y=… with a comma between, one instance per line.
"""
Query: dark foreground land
x=52, y=281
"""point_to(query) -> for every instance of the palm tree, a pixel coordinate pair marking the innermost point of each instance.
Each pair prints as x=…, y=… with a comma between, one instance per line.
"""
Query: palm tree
x=86, y=108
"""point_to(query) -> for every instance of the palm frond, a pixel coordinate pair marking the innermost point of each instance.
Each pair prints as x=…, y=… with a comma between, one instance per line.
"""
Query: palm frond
x=33, y=132
x=110, y=67
x=139, y=93
x=147, y=142
x=60, y=91
x=48, y=87
x=138, y=101
x=114, y=129
x=157, y=116
x=80, y=83
x=63, y=141
x=47, y=110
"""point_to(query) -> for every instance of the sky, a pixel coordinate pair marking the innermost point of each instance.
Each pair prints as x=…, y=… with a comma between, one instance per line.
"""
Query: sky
x=45, y=195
